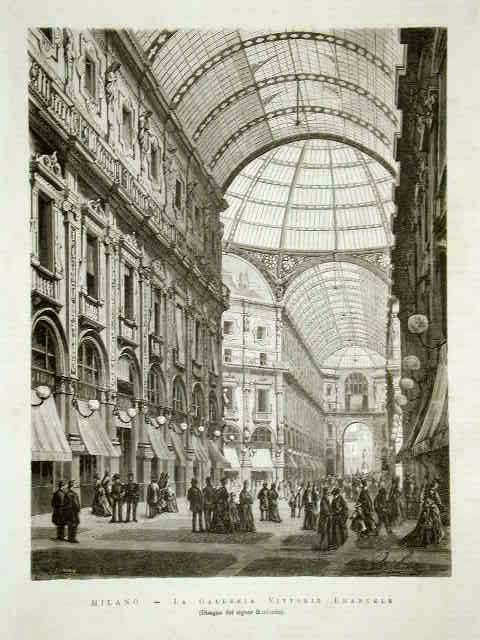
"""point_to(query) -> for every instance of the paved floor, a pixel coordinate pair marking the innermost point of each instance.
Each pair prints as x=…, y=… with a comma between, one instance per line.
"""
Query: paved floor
x=276, y=549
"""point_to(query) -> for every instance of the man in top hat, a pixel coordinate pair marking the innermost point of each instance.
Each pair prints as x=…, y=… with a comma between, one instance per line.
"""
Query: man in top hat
x=209, y=495
x=366, y=504
x=132, y=496
x=263, y=502
x=195, y=498
x=58, y=506
x=72, y=511
x=117, y=499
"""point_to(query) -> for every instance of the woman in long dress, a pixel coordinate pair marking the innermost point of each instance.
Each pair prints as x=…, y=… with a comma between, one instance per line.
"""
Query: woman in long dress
x=234, y=515
x=101, y=506
x=339, y=511
x=246, y=511
x=171, y=500
x=325, y=522
x=221, y=522
x=308, y=518
x=274, y=516
x=395, y=506
x=429, y=529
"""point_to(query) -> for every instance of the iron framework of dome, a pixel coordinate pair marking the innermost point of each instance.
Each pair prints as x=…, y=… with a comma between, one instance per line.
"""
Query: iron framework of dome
x=239, y=93
x=310, y=196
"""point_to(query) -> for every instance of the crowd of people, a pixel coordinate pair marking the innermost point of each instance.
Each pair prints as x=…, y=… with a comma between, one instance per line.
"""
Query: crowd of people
x=378, y=503
x=364, y=503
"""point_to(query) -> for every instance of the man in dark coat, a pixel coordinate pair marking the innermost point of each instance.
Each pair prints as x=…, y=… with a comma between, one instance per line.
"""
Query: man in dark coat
x=117, y=495
x=339, y=519
x=72, y=511
x=263, y=502
x=132, y=496
x=325, y=522
x=195, y=498
x=366, y=503
x=58, y=506
x=209, y=494
x=407, y=494
x=107, y=485
x=382, y=508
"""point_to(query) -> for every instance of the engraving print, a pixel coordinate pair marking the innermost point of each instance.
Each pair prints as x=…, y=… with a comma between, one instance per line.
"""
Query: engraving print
x=238, y=303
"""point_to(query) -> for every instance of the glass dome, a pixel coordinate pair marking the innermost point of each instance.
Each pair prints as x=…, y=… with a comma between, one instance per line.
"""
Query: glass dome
x=310, y=196
x=353, y=358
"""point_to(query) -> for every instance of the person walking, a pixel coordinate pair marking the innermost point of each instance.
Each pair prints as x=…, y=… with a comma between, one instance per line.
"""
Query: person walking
x=208, y=502
x=263, y=502
x=382, y=508
x=339, y=511
x=107, y=485
x=132, y=496
x=58, y=506
x=395, y=507
x=307, y=503
x=366, y=503
x=325, y=522
x=117, y=495
x=195, y=498
x=272, y=496
x=153, y=496
x=72, y=511
x=246, y=511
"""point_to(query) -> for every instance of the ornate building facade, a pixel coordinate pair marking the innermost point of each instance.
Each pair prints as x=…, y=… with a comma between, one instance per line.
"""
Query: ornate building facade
x=419, y=258
x=127, y=296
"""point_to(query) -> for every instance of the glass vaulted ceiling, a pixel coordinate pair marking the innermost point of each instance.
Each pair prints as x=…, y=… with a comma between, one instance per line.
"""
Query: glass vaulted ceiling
x=310, y=196
x=238, y=93
x=336, y=306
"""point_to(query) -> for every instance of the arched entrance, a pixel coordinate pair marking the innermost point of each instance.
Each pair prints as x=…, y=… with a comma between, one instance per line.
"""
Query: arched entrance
x=357, y=449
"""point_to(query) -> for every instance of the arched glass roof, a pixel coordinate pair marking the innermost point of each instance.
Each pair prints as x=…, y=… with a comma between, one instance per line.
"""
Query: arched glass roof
x=310, y=196
x=353, y=358
x=337, y=305
x=238, y=93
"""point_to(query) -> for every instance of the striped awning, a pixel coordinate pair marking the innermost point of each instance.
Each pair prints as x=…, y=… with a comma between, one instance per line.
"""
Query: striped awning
x=159, y=446
x=199, y=449
x=177, y=443
x=94, y=434
x=48, y=436
x=231, y=455
x=216, y=456
x=262, y=460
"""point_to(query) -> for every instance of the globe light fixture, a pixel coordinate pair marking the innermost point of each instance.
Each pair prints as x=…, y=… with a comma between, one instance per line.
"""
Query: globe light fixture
x=217, y=433
x=42, y=392
x=132, y=412
x=93, y=405
x=400, y=399
x=418, y=323
x=407, y=384
x=183, y=426
x=411, y=362
x=161, y=420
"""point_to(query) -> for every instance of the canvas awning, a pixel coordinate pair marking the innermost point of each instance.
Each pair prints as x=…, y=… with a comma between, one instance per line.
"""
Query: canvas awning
x=48, y=436
x=159, y=446
x=177, y=443
x=94, y=435
x=216, y=456
x=432, y=421
x=262, y=460
x=231, y=455
x=199, y=450
x=289, y=460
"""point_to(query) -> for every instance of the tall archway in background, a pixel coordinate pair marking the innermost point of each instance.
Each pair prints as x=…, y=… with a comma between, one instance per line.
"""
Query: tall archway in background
x=358, y=451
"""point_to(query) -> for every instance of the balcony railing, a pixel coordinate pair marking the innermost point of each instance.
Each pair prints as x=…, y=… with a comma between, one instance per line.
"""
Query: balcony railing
x=128, y=331
x=90, y=308
x=45, y=283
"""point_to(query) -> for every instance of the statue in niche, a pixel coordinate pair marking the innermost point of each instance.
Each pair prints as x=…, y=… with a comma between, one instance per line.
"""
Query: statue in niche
x=69, y=57
x=144, y=141
x=111, y=80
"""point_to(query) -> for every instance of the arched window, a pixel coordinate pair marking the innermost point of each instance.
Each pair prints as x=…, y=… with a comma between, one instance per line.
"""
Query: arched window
x=179, y=400
x=155, y=390
x=197, y=402
x=262, y=435
x=44, y=356
x=126, y=383
x=89, y=371
x=213, y=409
x=356, y=392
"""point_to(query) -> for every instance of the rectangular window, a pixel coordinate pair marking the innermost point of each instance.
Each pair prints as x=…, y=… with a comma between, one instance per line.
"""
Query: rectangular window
x=90, y=76
x=263, y=403
x=178, y=194
x=45, y=232
x=228, y=327
x=128, y=292
x=261, y=333
x=92, y=266
x=263, y=359
x=127, y=127
x=154, y=161
x=157, y=313
x=227, y=355
x=198, y=341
